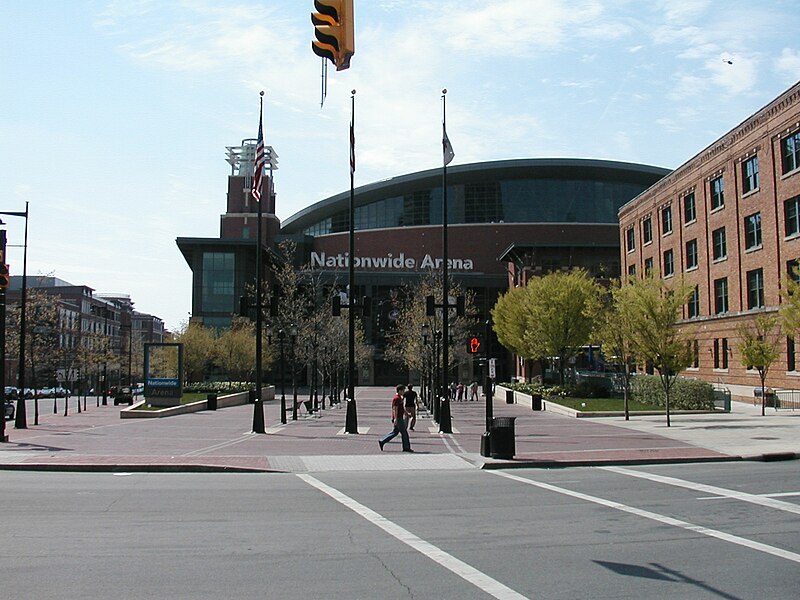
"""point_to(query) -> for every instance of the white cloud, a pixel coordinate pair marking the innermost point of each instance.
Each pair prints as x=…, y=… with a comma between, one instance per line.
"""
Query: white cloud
x=518, y=27
x=788, y=64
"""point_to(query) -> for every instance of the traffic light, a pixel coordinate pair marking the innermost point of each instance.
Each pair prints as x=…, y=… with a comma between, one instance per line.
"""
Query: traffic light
x=335, y=31
x=430, y=306
x=474, y=345
x=461, y=306
x=5, y=278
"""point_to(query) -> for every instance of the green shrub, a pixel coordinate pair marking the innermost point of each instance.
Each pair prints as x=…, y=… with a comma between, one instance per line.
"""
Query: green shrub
x=217, y=387
x=685, y=394
x=547, y=391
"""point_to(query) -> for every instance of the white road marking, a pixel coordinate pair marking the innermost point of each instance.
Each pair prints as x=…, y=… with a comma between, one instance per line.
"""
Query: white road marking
x=709, y=489
x=220, y=445
x=775, y=495
x=470, y=574
x=720, y=535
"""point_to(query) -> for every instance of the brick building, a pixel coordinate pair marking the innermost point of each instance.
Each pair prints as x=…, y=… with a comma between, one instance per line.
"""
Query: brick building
x=728, y=222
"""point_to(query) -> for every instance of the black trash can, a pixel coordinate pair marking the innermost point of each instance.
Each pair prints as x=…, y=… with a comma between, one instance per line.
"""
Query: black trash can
x=536, y=401
x=211, y=402
x=509, y=396
x=502, y=437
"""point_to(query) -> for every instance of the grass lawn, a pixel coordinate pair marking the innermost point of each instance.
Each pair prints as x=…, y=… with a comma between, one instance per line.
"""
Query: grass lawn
x=604, y=404
x=187, y=398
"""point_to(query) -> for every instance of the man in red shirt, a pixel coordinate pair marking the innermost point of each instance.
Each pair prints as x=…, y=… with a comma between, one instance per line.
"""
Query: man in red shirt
x=399, y=414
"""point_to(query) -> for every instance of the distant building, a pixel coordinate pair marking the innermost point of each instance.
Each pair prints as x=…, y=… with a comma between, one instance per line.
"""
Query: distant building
x=728, y=222
x=85, y=314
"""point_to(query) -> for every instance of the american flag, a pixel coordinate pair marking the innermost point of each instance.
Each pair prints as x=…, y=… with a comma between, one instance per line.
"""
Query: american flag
x=449, y=155
x=352, y=149
x=261, y=160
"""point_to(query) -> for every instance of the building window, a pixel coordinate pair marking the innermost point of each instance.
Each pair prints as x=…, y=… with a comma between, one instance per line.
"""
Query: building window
x=217, y=287
x=717, y=193
x=694, y=303
x=721, y=353
x=632, y=270
x=724, y=352
x=669, y=264
x=647, y=231
x=482, y=203
x=790, y=152
x=720, y=296
x=791, y=357
x=691, y=254
x=630, y=239
x=666, y=220
x=648, y=266
x=750, y=174
x=752, y=231
x=689, y=208
x=720, y=244
x=791, y=215
x=755, y=288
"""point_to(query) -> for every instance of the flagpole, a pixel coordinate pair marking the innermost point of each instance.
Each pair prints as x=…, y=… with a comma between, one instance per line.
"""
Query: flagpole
x=445, y=422
x=258, y=408
x=351, y=418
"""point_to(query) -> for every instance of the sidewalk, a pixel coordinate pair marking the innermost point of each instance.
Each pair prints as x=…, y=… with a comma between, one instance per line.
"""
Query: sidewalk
x=222, y=440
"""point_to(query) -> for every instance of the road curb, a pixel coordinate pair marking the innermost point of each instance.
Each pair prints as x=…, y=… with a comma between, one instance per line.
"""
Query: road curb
x=563, y=464
x=154, y=468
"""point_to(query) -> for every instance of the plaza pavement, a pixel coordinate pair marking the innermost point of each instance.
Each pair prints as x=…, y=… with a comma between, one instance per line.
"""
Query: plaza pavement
x=99, y=440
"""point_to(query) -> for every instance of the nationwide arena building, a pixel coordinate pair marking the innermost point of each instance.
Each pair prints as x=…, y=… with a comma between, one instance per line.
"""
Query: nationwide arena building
x=507, y=220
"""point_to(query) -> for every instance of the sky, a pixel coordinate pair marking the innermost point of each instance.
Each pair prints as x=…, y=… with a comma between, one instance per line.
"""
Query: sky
x=115, y=114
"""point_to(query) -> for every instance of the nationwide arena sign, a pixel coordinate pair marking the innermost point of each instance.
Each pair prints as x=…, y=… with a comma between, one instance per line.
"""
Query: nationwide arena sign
x=389, y=262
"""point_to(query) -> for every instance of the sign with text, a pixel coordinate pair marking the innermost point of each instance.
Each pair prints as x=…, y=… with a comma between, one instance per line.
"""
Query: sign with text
x=163, y=369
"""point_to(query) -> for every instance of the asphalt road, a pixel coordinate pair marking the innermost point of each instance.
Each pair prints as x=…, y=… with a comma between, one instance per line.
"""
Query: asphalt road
x=728, y=531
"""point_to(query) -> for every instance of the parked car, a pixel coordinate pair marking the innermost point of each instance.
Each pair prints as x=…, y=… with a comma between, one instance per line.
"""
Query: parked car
x=61, y=392
x=123, y=395
x=12, y=393
x=9, y=406
x=47, y=392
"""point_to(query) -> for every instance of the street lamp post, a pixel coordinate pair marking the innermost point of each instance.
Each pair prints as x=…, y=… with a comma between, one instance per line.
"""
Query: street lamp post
x=105, y=356
x=437, y=391
x=3, y=436
x=282, y=335
x=20, y=419
x=425, y=366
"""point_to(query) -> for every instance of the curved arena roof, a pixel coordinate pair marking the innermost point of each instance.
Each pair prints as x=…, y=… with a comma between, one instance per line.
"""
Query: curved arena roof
x=518, y=190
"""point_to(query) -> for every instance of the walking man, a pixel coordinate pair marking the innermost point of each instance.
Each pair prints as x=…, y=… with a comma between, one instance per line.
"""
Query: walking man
x=399, y=420
x=412, y=404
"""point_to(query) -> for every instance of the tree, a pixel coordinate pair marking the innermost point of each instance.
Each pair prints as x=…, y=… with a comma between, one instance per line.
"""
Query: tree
x=405, y=346
x=650, y=311
x=235, y=350
x=509, y=318
x=555, y=318
x=615, y=335
x=198, y=349
x=758, y=347
x=790, y=303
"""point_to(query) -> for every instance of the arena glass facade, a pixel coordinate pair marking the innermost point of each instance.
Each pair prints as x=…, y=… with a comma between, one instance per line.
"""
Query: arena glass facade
x=507, y=220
